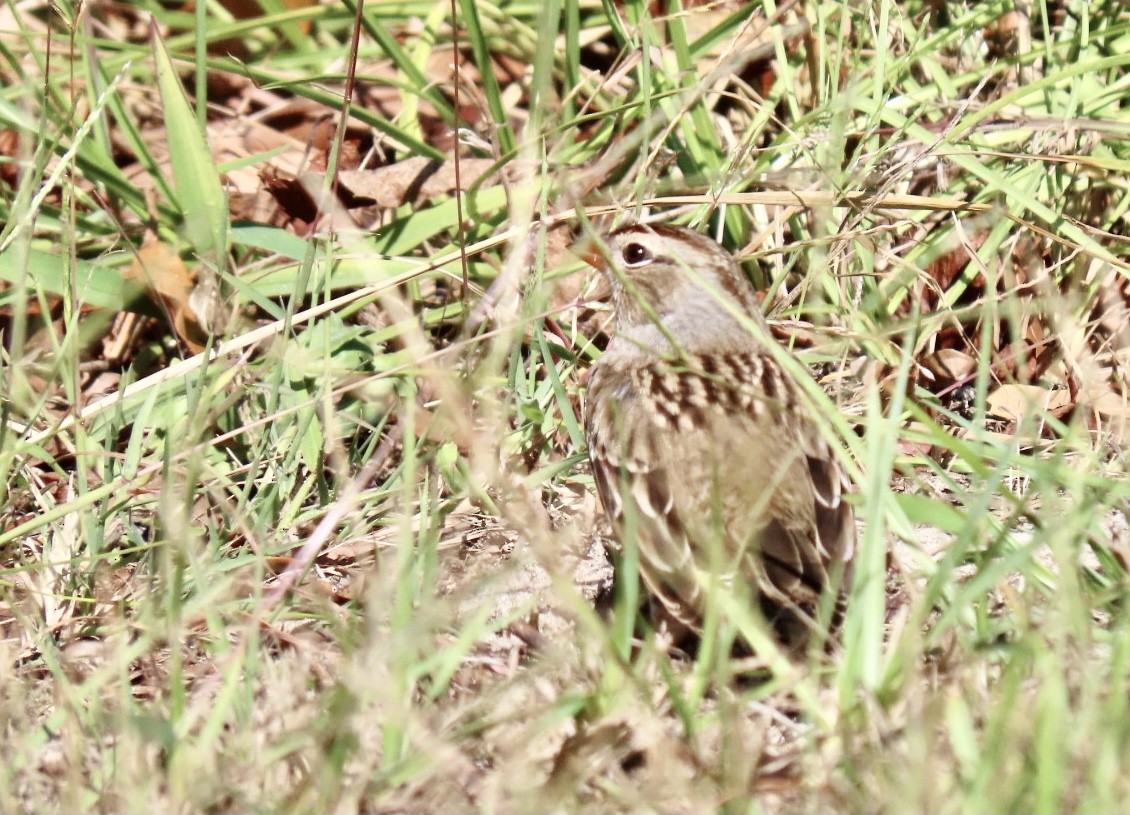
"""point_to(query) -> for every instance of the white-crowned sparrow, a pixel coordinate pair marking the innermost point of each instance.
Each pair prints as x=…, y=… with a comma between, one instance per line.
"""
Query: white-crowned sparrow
x=701, y=449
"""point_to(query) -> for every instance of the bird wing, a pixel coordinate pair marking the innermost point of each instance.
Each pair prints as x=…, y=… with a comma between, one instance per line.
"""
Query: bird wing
x=751, y=489
x=633, y=478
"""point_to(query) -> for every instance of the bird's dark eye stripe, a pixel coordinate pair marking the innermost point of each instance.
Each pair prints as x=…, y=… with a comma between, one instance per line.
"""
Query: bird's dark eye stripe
x=636, y=253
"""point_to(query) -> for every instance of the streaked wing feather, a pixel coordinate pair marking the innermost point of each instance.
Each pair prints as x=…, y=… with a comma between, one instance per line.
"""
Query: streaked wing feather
x=783, y=527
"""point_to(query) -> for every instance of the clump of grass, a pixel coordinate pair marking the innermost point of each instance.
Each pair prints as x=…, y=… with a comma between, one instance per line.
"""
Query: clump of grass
x=348, y=556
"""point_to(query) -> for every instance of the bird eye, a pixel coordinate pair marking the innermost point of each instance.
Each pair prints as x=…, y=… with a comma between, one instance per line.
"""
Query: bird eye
x=636, y=254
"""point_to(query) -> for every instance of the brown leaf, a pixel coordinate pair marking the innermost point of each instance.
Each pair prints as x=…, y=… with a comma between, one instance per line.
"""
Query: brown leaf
x=1109, y=403
x=414, y=180
x=1015, y=403
x=169, y=282
x=1109, y=410
x=950, y=365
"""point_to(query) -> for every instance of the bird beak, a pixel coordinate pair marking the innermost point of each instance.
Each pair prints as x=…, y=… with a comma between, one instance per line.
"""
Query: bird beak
x=593, y=252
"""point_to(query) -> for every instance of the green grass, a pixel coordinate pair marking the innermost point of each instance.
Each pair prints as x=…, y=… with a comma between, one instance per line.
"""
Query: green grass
x=388, y=421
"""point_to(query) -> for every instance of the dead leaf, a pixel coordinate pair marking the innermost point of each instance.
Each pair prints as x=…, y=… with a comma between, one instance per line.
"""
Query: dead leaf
x=1015, y=403
x=950, y=365
x=1109, y=403
x=415, y=180
x=169, y=281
